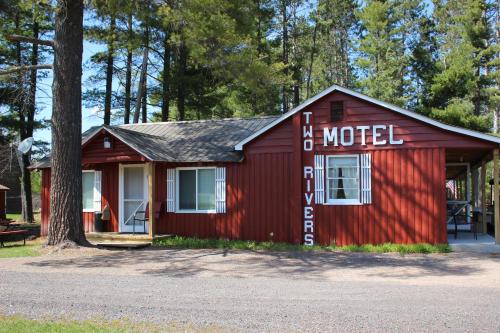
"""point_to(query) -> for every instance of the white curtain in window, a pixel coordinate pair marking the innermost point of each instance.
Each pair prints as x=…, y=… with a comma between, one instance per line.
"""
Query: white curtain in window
x=97, y=191
x=206, y=189
x=343, y=177
x=88, y=190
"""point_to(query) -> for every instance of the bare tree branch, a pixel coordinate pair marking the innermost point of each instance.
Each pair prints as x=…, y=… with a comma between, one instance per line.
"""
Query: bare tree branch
x=19, y=38
x=17, y=69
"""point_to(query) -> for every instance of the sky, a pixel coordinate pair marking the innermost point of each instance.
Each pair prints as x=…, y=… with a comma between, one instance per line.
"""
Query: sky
x=44, y=95
x=89, y=117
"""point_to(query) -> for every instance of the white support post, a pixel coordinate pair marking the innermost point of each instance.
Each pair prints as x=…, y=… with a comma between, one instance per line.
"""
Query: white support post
x=495, y=192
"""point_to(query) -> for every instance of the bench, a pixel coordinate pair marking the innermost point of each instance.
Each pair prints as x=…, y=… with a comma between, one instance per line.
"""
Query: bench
x=13, y=236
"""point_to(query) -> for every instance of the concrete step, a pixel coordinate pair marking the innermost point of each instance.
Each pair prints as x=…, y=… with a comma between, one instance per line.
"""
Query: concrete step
x=123, y=245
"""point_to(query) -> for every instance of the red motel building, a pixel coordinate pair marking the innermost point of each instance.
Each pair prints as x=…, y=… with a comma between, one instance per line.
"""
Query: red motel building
x=341, y=168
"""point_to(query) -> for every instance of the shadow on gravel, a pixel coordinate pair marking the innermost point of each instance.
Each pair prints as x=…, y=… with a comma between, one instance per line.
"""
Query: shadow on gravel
x=310, y=265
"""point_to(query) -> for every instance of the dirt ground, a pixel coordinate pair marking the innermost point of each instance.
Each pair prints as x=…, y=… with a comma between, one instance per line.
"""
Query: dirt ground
x=259, y=291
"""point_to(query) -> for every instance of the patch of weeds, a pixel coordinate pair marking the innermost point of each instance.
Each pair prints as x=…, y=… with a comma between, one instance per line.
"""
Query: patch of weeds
x=21, y=324
x=199, y=243
x=17, y=249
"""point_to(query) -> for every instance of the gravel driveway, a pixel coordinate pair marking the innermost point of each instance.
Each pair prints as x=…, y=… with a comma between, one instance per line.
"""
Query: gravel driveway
x=250, y=291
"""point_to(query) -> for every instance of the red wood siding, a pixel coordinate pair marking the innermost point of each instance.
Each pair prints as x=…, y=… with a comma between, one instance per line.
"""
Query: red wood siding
x=2, y=204
x=45, y=203
x=258, y=201
x=279, y=139
x=94, y=151
x=109, y=190
x=408, y=203
x=415, y=134
x=110, y=193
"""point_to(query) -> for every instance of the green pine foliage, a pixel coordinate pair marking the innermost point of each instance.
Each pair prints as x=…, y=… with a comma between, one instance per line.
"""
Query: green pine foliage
x=242, y=58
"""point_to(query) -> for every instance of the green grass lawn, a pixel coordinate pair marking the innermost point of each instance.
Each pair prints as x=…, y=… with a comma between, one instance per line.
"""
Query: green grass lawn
x=17, y=249
x=20, y=324
x=197, y=243
x=17, y=217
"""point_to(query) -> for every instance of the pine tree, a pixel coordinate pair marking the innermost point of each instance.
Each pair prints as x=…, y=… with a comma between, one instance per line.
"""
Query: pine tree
x=458, y=91
x=380, y=51
x=29, y=19
x=336, y=26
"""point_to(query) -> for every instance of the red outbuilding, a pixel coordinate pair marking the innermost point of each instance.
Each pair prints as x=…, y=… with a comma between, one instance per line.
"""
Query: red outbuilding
x=341, y=168
x=3, y=202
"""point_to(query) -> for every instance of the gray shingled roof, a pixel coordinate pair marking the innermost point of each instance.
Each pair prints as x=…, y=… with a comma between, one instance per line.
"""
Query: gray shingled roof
x=184, y=141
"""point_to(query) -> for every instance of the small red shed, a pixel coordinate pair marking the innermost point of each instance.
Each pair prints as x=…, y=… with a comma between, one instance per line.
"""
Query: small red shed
x=341, y=168
x=3, y=201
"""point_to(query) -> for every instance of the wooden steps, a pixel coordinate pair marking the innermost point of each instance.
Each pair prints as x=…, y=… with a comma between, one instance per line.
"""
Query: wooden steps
x=122, y=240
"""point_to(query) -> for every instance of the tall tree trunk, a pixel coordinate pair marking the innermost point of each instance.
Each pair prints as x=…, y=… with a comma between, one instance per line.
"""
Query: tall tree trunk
x=181, y=89
x=297, y=70
x=142, y=80
x=109, y=71
x=311, y=60
x=30, y=123
x=166, y=78
x=144, y=105
x=260, y=46
x=284, y=97
x=496, y=108
x=66, y=223
x=128, y=75
x=24, y=106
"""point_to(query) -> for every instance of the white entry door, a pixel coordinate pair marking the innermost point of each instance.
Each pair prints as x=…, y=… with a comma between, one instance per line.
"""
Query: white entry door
x=133, y=196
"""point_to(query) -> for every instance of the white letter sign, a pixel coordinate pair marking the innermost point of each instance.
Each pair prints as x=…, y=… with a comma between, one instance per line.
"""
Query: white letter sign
x=347, y=137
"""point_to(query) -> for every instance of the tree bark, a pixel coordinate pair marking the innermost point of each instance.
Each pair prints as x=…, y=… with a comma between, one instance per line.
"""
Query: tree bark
x=19, y=69
x=128, y=75
x=142, y=80
x=181, y=89
x=109, y=71
x=23, y=108
x=166, y=78
x=19, y=38
x=66, y=223
x=284, y=4
x=30, y=122
x=144, y=105
x=311, y=60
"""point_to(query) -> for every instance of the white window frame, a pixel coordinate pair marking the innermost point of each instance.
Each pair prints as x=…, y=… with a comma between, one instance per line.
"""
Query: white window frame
x=330, y=201
x=89, y=210
x=177, y=192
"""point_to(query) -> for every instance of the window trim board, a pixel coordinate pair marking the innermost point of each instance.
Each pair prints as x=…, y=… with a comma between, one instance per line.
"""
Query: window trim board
x=89, y=210
x=177, y=192
x=340, y=202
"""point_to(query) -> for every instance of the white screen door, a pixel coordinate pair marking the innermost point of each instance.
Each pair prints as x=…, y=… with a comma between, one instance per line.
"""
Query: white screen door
x=134, y=197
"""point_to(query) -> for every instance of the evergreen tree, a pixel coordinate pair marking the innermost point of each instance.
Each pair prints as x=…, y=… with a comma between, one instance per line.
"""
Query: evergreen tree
x=28, y=19
x=458, y=91
x=336, y=26
x=380, y=50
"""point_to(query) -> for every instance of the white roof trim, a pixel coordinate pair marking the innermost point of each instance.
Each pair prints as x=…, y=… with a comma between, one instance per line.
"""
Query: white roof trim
x=119, y=137
x=397, y=109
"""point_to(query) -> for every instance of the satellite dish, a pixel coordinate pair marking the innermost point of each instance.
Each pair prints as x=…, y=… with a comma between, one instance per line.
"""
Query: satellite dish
x=25, y=145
